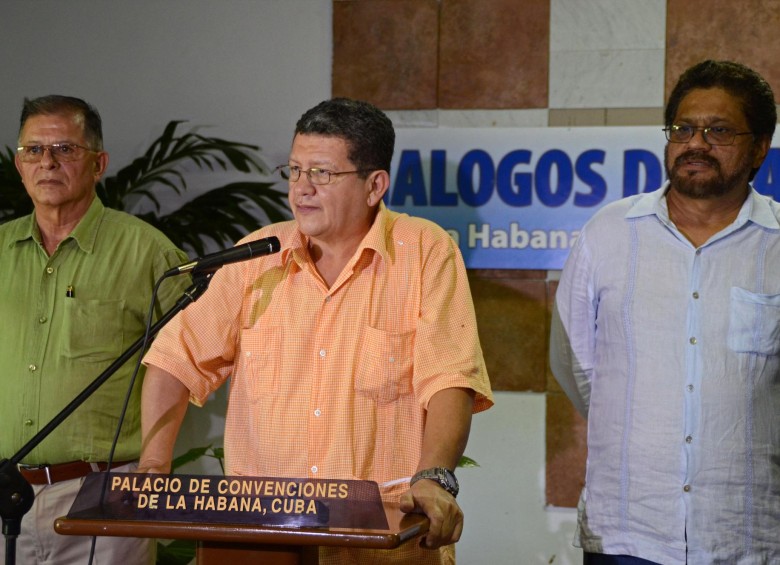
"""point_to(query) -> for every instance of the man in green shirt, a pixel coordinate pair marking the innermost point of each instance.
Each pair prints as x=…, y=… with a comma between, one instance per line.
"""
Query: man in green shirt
x=77, y=280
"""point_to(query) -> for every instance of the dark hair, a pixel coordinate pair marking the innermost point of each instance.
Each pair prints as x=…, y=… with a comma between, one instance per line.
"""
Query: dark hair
x=55, y=104
x=758, y=100
x=368, y=132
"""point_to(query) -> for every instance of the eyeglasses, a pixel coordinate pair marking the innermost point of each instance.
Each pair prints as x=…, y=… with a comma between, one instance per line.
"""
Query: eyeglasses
x=714, y=135
x=315, y=175
x=57, y=151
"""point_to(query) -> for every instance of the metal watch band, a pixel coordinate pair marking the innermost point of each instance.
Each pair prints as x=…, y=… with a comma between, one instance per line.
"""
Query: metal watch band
x=443, y=476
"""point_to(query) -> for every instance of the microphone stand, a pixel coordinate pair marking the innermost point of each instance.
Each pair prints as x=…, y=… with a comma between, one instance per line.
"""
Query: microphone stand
x=16, y=494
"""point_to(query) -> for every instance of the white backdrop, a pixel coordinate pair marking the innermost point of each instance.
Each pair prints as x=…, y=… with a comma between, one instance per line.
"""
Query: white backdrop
x=249, y=68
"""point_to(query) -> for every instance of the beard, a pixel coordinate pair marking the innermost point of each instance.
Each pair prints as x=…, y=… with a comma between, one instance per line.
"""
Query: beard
x=695, y=185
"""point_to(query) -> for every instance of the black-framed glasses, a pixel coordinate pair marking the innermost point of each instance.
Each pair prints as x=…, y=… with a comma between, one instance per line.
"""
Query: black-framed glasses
x=314, y=174
x=714, y=135
x=57, y=151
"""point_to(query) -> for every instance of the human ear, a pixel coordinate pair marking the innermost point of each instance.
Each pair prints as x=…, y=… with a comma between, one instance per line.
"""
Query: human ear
x=378, y=183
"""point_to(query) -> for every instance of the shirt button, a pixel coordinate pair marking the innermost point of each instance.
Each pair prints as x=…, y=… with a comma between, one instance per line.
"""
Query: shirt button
x=314, y=469
x=32, y=368
x=690, y=388
x=696, y=295
x=42, y=319
x=49, y=270
x=318, y=412
x=693, y=341
x=327, y=298
x=687, y=488
x=688, y=439
x=322, y=353
x=28, y=422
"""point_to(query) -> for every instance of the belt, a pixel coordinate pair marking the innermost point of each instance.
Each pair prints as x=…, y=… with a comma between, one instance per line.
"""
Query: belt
x=50, y=474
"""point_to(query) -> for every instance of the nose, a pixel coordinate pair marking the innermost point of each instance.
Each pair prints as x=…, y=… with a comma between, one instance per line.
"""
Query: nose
x=302, y=186
x=47, y=161
x=698, y=139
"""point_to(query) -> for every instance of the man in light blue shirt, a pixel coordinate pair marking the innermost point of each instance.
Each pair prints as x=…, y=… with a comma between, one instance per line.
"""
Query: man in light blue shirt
x=666, y=336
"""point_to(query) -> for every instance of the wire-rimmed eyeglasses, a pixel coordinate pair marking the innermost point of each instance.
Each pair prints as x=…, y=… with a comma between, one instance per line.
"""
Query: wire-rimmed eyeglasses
x=314, y=174
x=57, y=151
x=714, y=135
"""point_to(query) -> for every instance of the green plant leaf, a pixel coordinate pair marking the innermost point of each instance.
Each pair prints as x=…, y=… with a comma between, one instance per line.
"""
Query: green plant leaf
x=14, y=201
x=192, y=455
x=467, y=462
x=196, y=453
x=177, y=552
x=164, y=166
x=220, y=215
x=228, y=211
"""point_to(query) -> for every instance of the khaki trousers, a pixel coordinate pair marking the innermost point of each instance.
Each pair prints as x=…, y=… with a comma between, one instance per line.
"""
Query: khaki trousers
x=39, y=544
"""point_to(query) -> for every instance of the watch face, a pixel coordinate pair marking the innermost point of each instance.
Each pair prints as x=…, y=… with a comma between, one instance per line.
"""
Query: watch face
x=452, y=482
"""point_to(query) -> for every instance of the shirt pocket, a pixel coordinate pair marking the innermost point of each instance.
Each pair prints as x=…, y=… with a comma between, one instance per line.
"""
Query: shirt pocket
x=754, y=322
x=94, y=329
x=384, y=370
x=260, y=353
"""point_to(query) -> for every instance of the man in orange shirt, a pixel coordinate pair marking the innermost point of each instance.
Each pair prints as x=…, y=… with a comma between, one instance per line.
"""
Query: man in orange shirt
x=353, y=352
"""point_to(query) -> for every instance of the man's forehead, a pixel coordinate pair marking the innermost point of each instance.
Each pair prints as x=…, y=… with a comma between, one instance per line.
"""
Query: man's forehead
x=321, y=145
x=51, y=121
x=713, y=95
x=318, y=138
x=710, y=104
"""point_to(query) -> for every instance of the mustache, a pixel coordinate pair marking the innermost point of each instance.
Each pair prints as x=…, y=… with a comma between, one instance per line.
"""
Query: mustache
x=696, y=156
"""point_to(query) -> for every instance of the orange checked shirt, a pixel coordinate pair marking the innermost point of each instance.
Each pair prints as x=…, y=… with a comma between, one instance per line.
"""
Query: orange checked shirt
x=333, y=382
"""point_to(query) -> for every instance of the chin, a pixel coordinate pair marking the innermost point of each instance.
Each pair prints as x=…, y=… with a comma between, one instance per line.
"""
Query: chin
x=702, y=189
x=308, y=230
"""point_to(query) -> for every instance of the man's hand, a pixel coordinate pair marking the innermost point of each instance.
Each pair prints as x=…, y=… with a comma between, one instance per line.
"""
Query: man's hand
x=445, y=516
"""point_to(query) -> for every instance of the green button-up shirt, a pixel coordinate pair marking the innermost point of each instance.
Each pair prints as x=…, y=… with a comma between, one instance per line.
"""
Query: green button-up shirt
x=65, y=318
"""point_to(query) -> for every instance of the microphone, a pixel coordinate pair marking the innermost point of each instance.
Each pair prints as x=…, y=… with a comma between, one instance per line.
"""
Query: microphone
x=213, y=261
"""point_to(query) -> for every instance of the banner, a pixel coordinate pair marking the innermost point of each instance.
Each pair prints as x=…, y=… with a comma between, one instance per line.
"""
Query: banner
x=516, y=198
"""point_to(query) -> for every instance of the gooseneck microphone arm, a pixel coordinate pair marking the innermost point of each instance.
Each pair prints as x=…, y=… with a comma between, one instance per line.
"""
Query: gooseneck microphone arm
x=16, y=494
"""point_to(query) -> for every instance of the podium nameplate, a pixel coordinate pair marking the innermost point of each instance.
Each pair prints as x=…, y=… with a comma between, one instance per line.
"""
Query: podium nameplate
x=264, y=501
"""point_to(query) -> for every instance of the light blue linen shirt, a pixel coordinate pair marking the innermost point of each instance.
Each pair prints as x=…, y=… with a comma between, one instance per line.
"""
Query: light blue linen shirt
x=672, y=352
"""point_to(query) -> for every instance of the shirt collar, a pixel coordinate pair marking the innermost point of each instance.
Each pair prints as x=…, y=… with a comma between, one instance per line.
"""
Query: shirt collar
x=85, y=232
x=376, y=239
x=297, y=248
x=650, y=203
x=24, y=229
x=756, y=208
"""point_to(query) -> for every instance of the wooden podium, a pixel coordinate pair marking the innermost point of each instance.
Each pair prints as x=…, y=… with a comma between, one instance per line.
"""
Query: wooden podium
x=218, y=544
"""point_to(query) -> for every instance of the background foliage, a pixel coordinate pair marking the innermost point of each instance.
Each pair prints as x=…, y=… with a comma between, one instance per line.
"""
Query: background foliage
x=221, y=214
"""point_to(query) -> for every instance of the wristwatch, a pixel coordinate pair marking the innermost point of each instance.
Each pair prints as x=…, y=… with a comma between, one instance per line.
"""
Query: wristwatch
x=441, y=475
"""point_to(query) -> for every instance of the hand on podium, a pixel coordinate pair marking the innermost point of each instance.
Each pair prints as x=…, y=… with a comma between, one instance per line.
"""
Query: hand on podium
x=445, y=516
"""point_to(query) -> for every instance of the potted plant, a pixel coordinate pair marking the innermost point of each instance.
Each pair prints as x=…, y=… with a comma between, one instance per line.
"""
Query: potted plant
x=222, y=214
